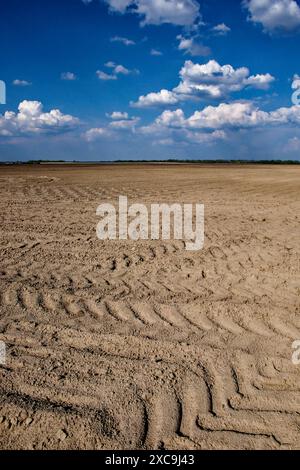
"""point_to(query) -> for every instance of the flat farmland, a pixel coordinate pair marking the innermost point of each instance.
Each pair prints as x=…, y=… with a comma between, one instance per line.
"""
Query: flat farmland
x=145, y=345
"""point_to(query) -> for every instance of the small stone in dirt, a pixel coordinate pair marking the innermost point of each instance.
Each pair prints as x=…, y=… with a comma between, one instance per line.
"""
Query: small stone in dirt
x=62, y=435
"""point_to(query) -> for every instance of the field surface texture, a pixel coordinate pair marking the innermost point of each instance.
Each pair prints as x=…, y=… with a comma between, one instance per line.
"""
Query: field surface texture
x=144, y=345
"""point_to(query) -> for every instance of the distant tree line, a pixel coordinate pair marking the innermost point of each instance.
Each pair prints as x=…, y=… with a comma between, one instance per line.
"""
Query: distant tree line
x=170, y=160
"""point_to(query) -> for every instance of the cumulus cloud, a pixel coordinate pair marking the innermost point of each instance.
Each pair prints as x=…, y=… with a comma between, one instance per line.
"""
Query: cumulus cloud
x=96, y=133
x=171, y=118
x=117, y=115
x=206, y=126
x=260, y=82
x=210, y=80
x=31, y=119
x=221, y=29
x=124, y=124
x=216, y=81
x=162, y=98
x=68, y=76
x=125, y=41
x=156, y=12
x=185, y=137
x=204, y=138
x=120, y=121
x=116, y=70
x=21, y=83
x=274, y=14
x=192, y=47
x=215, y=123
x=232, y=115
x=170, y=129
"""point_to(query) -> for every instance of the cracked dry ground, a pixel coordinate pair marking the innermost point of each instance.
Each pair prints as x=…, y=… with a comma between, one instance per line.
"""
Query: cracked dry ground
x=123, y=345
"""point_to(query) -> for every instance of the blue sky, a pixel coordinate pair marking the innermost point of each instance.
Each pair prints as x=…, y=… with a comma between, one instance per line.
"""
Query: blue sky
x=149, y=79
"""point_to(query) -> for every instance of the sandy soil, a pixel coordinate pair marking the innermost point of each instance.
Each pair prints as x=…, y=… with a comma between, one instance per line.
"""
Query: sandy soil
x=123, y=345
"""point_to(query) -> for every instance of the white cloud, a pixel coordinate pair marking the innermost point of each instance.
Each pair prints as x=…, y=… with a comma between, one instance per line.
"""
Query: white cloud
x=261, y=82
x=296, y=82
x=105, y=76
x=117, y=115
x=185, y=137
x=116, y=70
x=207, y=126
x=21, y=83
x=125, y=41
x=125, y=124
x=156, y=52
x=30, y=119
x=215, y=123
x=96, y=133
x=162, y=98
x=170, y=128
x=274, y=14
x=120, y=122
x=110, y=64
x=69, y=76
x=216, y=81
x=204, y=138
x=121, y=70
x=156, y=12
x=233, y=115
x=30, y=108
x=171, y=118
x=192, y=47
x=119, y=5
x=221, y=29
x=210, y=80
